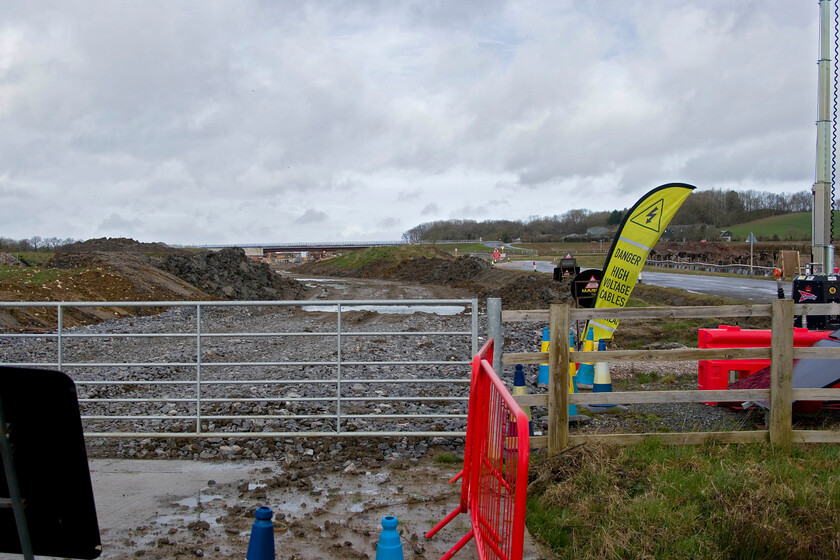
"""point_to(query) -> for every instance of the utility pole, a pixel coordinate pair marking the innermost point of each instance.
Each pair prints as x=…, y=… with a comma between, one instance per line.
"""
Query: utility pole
x=821, y=285
x=821, y=248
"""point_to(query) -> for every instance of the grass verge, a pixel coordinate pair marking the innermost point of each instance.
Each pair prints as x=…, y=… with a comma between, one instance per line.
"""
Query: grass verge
x=701, y=502
x=34, y=276
x=383, y=256
x=33, y=258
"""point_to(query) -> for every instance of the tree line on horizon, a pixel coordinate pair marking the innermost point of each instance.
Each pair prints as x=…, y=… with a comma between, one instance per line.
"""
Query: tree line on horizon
x=36, y=243
x=714, y=209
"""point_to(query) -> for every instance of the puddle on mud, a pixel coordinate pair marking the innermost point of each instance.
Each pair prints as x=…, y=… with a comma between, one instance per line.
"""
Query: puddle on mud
x=202, y=499
x=201, y=507
x=323, y=515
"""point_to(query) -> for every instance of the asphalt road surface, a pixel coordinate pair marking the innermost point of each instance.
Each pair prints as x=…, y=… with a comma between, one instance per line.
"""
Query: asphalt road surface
x=746, y=289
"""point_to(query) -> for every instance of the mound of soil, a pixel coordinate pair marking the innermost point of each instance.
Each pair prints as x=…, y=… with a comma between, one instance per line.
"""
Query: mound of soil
x=121, y=277
x=229, y=274
x=134, y=275
x=519, y=290
x=764, y=254
x=440, y=270
x=476, y=277
x=106, y=277
x=115, y=245
x=8, y=258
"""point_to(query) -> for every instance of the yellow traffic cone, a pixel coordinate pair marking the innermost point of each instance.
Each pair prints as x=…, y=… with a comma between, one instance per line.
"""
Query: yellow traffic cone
x=586, y=371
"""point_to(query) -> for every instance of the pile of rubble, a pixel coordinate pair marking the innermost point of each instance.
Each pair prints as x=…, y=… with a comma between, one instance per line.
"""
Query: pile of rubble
x=229, y=274
x=8, y=258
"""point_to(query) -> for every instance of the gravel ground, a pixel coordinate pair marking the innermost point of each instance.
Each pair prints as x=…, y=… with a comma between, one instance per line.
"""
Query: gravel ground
x=300, y=403
x=298, y=400
x=637, y=418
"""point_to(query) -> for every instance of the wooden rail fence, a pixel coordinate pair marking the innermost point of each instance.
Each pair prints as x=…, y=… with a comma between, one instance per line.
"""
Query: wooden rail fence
x=780, y=395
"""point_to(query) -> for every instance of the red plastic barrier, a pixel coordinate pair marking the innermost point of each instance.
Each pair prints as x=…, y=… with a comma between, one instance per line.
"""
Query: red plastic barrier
x=499, y=474
x=495, y=474
x=485, y=353
x=716, y=374
x=727, y=336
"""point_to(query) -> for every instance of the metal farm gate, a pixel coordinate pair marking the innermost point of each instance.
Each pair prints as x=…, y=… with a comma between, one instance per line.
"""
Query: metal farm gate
x=297, y=368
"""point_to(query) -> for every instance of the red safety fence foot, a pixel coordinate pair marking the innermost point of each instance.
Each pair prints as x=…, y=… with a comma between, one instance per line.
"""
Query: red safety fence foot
x=443, y=522
x=458, y=546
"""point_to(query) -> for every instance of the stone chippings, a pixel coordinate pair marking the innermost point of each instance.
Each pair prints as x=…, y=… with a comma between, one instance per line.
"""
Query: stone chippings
x=253, y=398
x=639, y=418
x=296, y=398
x=10, y=259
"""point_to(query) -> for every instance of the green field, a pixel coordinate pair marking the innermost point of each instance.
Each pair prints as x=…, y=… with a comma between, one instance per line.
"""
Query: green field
x=462, y=249
x=34, y=258
x=380, y=255
x=787, y=227
x=34, y=276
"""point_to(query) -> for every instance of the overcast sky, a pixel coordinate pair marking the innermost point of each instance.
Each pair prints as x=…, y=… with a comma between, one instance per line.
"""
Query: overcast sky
x=268, y=121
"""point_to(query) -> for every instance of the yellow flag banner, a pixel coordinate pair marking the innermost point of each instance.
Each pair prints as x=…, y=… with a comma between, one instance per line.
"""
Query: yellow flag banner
x=638, y=233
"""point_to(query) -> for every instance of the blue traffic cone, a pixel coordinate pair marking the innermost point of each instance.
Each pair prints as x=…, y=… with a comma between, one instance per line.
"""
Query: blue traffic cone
x=602, y=382
x=389, y=546
x=519, y=388
x=261, y=545
x=543, y=377
x=586, y=372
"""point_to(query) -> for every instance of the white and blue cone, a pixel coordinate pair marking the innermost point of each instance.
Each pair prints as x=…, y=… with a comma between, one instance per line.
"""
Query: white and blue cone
x=602, y=383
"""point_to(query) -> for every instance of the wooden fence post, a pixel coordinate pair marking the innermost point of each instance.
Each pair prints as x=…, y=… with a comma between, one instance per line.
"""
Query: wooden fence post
x=558, y=378
x=781, y=373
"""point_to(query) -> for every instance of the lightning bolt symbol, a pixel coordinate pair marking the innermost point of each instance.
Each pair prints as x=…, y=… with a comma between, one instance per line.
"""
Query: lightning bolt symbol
x=651, y=215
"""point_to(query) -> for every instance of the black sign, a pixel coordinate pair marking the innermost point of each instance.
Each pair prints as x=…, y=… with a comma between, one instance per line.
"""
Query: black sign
x=48, y=452
x=568, y=267
x=585, y=287
x=817, y=289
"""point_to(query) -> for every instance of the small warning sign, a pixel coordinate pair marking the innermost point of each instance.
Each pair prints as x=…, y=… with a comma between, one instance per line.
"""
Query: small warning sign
x=568, y=256
x=585, y=287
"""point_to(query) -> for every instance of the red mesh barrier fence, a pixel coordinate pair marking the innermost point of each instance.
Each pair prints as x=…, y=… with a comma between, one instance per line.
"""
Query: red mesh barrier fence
x=499, y=473
x=486, y=352
x=495, y=474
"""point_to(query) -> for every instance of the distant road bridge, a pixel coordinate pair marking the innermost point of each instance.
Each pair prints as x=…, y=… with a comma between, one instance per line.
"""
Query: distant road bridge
x=324, y=246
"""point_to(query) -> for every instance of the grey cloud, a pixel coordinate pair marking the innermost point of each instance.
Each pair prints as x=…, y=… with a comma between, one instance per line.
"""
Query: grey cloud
x=407, y=196
x=312, y=216
x=390, y=222
x=469, y=212
x=752, y=160
x=135, y=106
x=115, y=225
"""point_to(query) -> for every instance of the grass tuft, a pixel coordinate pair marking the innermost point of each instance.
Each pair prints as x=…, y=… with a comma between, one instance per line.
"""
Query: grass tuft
x=448, y=458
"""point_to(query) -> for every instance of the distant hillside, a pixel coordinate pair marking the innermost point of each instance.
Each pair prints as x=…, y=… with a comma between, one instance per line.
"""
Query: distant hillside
x=701, y=215
x=786, y=227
